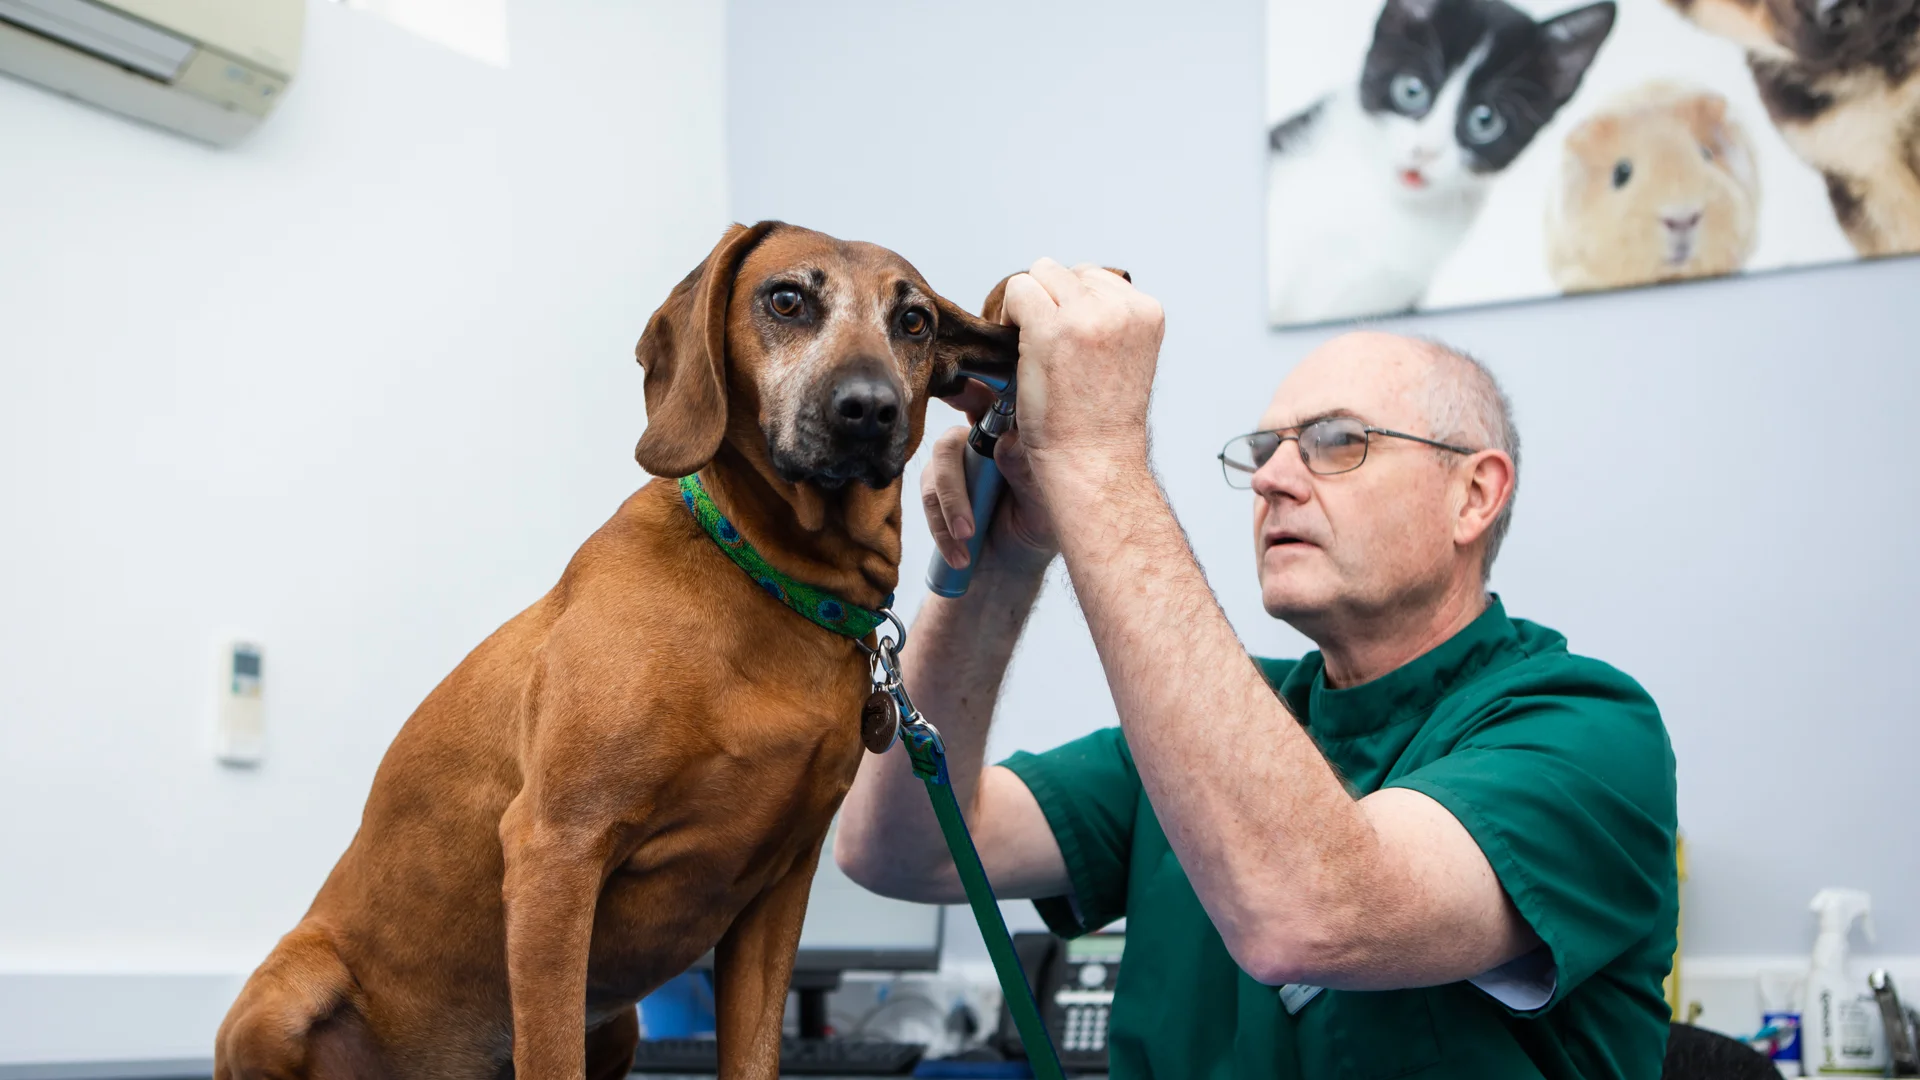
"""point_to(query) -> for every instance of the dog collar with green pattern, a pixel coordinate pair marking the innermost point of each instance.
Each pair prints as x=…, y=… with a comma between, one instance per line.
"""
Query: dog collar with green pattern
x=818, y=605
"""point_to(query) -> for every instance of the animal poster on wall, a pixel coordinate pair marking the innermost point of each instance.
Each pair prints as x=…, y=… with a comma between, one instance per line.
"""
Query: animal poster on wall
x=1425, y=154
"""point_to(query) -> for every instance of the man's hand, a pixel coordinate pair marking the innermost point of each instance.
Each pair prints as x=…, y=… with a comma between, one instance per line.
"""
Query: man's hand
x=1089, y=343
x=1022, y=536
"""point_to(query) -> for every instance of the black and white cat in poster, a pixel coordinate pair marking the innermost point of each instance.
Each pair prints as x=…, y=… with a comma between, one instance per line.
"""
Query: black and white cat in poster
x=1433, y=153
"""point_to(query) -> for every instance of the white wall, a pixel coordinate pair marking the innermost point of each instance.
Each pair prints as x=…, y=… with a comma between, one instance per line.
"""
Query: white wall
x=1718, y=492
x=359, y=387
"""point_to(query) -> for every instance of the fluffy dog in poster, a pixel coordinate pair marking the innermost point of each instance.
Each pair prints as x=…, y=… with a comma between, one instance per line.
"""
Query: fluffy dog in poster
x=1841, y=80
x=1657, y=186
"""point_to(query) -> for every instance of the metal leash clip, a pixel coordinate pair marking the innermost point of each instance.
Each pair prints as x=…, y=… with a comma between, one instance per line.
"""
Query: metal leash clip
x=889, y=712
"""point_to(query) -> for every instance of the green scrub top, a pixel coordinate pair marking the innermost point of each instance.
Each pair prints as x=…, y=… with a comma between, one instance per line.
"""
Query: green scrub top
x=1559, y=767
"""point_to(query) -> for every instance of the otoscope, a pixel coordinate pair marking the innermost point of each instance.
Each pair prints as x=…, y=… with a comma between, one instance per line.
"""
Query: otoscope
x=984, y=483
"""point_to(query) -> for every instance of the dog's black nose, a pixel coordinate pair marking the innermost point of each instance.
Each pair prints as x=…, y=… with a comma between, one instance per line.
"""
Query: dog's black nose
x=864, y=406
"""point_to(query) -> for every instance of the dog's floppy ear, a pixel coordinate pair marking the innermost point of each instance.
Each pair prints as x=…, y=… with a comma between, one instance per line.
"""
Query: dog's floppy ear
x=684, y=353
x=966, y=343
x=994, y=307
x=963, y=342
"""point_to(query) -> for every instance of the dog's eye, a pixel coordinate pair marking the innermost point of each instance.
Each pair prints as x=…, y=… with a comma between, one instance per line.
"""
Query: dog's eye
x=786, y=303
x=1622, y=172
x=915, y=322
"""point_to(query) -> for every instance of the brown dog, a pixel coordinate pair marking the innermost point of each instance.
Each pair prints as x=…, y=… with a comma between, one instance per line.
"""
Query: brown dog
x=641, y=766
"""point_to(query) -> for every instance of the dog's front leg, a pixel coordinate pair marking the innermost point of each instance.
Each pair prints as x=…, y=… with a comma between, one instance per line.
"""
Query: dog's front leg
x=553, y=876
x=751, y=968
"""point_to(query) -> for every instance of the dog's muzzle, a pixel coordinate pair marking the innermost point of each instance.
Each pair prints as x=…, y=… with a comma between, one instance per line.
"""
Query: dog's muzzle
x=854, y=427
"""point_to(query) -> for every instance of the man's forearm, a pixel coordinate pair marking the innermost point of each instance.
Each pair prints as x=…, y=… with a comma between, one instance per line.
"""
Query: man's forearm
x=953, y=666
x=1260, y=822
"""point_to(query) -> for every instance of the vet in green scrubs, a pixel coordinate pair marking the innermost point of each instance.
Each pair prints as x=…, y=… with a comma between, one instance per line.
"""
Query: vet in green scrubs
x=1558, y=766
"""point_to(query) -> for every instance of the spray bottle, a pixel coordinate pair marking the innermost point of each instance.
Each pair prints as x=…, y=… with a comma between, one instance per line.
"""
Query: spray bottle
x=1840, y=1033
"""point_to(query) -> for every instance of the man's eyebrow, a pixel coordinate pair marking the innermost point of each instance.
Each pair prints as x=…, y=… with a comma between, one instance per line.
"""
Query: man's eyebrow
x=1329, y=414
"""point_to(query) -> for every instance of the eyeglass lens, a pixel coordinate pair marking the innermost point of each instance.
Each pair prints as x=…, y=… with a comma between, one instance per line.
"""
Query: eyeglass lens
x=1334, y=445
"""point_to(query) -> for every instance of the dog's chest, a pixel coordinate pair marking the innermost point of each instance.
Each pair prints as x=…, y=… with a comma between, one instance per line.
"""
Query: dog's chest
x=759, y=786
x=727, y=828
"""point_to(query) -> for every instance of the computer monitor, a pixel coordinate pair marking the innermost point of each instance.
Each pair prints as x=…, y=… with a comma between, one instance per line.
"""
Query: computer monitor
x=849, y=928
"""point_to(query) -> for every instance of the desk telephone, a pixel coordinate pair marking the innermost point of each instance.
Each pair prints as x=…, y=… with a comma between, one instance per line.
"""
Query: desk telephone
x=1074, y=982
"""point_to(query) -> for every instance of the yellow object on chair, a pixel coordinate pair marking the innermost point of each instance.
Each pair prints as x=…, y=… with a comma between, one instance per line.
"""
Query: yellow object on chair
x=1672, y=983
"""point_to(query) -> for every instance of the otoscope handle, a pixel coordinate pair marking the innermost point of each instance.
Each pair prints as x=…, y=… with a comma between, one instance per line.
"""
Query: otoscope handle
x=983, y=494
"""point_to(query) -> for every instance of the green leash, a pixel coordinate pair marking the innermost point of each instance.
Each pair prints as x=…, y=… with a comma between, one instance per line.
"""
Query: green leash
x=929, y=757
x=928, y=753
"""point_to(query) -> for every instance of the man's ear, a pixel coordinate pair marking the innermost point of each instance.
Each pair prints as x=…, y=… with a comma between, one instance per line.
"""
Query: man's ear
x=1490, y=485
x=684, y=353
x=965, y=343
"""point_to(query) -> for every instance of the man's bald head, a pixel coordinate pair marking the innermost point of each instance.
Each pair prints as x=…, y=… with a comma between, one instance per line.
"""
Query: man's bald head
x=1412, y=520
x=1429, y=387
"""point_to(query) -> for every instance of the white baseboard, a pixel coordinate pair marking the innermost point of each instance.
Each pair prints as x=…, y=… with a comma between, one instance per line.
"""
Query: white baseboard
x=132, y=1019
x=168, y=1069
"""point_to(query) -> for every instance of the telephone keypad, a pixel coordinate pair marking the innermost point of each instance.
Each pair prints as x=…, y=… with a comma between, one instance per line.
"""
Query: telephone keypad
x=1076, y=998
x=1086, y=1028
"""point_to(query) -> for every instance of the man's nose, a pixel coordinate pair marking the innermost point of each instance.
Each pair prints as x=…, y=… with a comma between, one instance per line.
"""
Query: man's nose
x=864, y=404
x=1283, y=473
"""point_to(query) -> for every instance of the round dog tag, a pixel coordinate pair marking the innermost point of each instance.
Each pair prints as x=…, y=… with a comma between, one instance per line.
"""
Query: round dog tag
x=879, y=722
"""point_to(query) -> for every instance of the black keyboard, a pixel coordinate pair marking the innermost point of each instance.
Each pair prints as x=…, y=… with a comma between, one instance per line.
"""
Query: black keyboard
x=798, y=1057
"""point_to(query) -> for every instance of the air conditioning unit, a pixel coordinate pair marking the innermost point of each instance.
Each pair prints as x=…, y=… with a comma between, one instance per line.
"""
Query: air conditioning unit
x=210, y=69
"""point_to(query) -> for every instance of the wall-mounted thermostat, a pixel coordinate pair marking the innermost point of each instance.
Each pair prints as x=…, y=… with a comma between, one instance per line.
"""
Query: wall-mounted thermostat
x=240, y=721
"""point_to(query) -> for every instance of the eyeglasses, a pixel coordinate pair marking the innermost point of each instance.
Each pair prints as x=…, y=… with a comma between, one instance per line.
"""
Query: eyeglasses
x=1328, y=447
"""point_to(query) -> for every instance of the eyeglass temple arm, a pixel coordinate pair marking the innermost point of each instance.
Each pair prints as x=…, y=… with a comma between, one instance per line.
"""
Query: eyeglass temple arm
x=1420, y=439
